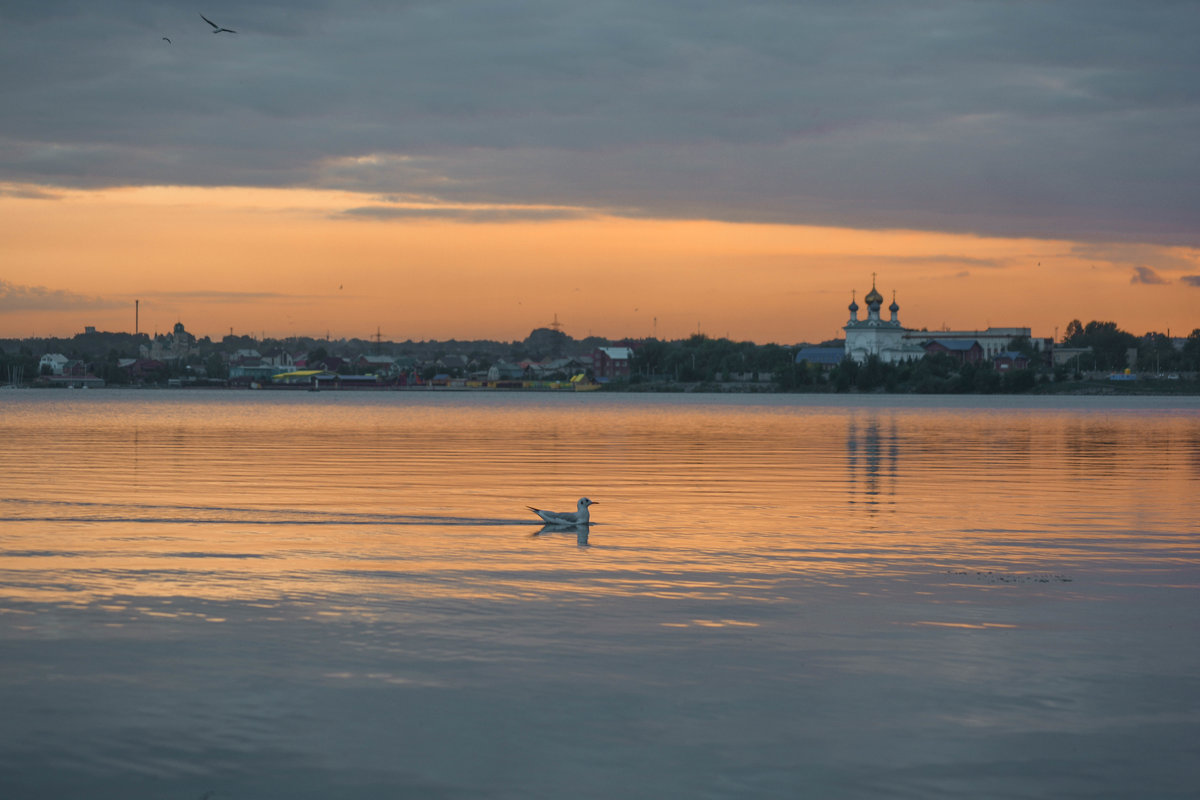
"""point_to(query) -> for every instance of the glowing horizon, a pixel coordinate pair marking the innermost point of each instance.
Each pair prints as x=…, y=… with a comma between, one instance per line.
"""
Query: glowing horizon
x=280, y=263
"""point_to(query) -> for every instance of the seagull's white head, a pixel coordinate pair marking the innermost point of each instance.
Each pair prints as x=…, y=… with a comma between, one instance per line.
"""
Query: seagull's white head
x=584, y=503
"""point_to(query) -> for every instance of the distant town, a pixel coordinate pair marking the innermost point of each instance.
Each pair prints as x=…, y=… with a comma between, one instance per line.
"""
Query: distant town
x=877, y=354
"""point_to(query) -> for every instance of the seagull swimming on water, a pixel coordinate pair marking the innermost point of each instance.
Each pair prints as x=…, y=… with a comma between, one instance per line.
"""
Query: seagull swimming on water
x=577, y=517
x=217, y=28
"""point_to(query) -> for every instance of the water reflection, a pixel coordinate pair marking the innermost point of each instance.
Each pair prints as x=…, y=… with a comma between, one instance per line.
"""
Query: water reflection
x=236, y=603
x=872, y=456
x=580, y=532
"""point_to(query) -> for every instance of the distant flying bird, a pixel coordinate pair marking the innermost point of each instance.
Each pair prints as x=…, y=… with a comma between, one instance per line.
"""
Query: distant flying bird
x=165, y=39
x=578, y=517
x=217, y=28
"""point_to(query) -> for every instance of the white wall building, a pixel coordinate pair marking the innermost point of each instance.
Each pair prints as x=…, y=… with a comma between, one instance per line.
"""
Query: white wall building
x=892, y=342
x=875, y=336
x=57, y=362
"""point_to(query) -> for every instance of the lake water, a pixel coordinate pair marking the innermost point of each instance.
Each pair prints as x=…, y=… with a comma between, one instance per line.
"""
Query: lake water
x=342, y=595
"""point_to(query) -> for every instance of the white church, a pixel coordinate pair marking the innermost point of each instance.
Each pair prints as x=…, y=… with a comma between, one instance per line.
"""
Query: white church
x=892, y=342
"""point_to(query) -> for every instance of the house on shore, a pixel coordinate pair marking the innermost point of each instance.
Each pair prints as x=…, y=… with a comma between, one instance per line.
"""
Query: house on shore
x=961, y=350
x=609, y=363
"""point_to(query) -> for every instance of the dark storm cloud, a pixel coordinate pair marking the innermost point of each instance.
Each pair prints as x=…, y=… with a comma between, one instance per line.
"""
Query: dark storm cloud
x=1065, y=119
x=1191, y=280
x=14, y=297
x=1146, y=275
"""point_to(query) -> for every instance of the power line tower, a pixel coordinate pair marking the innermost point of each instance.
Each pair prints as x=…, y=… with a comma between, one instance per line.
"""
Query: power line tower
x=556, y=326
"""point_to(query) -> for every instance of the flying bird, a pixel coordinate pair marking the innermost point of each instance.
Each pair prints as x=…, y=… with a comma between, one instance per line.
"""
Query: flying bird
x=165, y=39
x=577, y=517
x=217, y=28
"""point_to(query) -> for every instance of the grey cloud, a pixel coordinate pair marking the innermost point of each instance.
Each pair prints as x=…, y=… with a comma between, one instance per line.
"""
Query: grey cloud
x=14, y=297
x=944, y=260
x=1127, y=255
x=1191, y=280
x=477, y=215
x=221, y=297
x=1067, y=119
x=27, y=193
x=1146, y=275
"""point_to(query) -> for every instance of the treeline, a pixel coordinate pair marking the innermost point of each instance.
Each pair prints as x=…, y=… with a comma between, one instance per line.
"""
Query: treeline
x=662, y=364
x=704, y=361
x=701, y=360
x=936, y=373
x=1110, y=348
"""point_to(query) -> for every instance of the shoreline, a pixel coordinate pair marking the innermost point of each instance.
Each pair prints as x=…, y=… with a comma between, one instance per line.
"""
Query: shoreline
x=1071, y=388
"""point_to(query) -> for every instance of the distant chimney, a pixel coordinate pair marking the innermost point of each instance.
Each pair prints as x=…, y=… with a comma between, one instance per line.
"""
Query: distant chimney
x=136, y=311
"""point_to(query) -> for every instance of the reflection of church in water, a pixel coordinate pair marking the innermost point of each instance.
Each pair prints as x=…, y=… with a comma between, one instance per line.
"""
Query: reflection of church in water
x=872, y=461
x=891, y=342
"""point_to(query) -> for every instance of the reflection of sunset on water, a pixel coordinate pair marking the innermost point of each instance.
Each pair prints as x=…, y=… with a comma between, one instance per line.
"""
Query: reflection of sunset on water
x=353, y=580
x=230, y=497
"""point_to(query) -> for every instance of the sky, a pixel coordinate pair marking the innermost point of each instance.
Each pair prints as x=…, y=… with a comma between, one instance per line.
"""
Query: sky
x=479, y=168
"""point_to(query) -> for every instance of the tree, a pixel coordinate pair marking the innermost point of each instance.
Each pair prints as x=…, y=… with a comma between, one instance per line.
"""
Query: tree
x=650, y=358
x=1157, y=353
x=1024, y=346
x=1191, y=350
x=871, y=374
x=216, y=367
x=845, y=374
x=1073, y=333
x=1110, y=345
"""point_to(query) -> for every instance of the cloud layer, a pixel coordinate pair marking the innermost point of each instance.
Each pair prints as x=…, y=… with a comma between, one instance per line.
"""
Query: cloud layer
x=1065, y=120
x=17, y=298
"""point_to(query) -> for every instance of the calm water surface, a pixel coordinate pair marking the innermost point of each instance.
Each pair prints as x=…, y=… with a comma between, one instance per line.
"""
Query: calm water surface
x=342, y=595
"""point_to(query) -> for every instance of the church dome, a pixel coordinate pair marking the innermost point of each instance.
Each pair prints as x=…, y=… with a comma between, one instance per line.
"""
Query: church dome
x=893, y=307
x=853, y=305
x=874, y=298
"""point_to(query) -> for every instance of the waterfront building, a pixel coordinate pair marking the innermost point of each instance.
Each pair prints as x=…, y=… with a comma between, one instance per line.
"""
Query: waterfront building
x=53, y=363
x=964, y=351
x=891, y=342
x=173, y=346
x=886, y=339
x=823, y=357
x=992, y=341
x=611, y=362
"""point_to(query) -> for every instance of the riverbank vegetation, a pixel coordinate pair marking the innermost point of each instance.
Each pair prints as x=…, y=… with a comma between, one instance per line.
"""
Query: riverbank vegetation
x=1086, y=358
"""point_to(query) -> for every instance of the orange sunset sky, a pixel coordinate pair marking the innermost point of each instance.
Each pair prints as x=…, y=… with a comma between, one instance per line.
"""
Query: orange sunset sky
x=432, y=174
x=286, y=263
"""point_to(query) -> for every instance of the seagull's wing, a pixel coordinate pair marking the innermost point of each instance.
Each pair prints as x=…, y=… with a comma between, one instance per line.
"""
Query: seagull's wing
x=209, y=21
x=165, y=39
x=556, y=517
x=227, y=30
